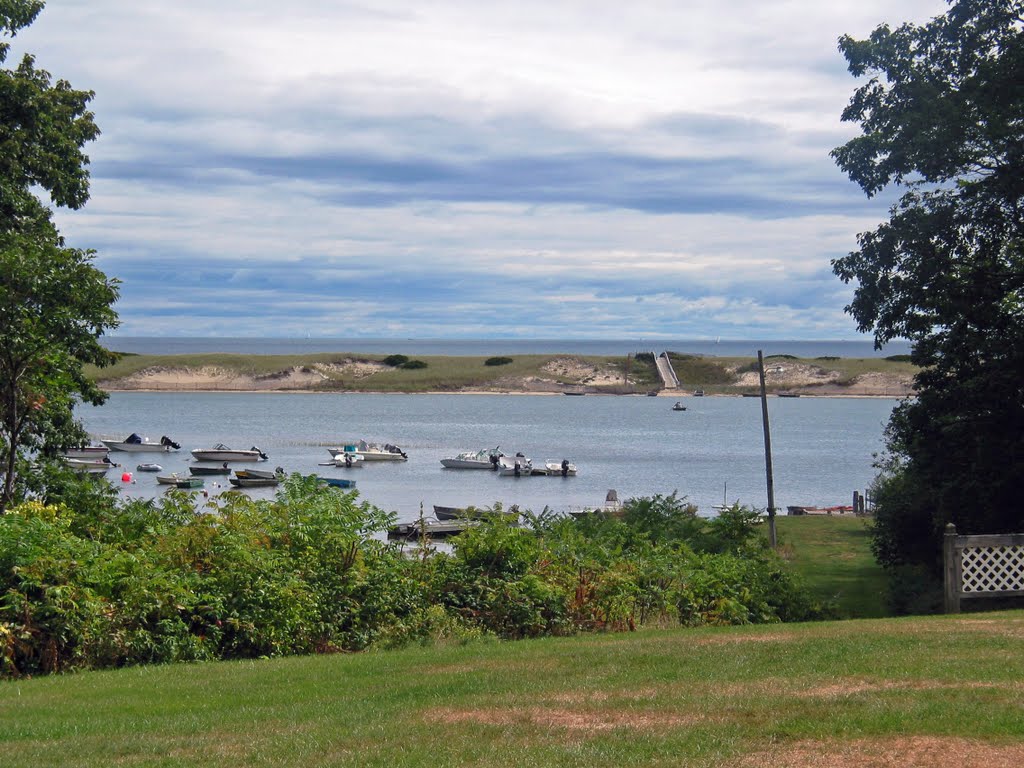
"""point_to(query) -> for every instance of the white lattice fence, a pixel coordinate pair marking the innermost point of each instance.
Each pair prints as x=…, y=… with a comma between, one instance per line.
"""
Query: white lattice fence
x=982, y=566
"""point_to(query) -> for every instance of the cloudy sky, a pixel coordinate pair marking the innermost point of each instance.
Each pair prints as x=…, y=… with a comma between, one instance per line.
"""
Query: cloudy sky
x=457, y=168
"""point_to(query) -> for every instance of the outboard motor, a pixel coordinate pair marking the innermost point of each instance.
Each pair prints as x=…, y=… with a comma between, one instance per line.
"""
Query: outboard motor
x=165, y=440
x=565, y=467
x=263, y=456
x=494, y=461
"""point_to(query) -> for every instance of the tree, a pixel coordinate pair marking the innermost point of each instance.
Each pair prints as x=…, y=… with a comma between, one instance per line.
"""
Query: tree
x=54, y=304
x=942, y=120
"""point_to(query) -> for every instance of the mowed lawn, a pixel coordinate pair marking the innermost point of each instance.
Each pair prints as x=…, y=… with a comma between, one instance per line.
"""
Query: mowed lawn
x=832, y=555
x=936, y=691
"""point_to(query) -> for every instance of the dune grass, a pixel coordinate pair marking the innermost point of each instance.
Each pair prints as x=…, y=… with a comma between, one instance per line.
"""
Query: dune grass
x=937, y=691
x=447, y=374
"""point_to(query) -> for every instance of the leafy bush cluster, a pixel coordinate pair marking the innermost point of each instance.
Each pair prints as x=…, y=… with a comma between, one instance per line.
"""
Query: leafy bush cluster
x=498, y=361
x=147, y=581
x=395, y=360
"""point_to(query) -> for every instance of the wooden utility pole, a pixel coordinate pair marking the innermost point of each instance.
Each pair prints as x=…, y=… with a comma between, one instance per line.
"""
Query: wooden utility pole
x=767, y=453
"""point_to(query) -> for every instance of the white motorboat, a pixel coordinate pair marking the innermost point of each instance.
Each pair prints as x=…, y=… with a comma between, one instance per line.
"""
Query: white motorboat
x=371, y=451
x=345, y=459
x=221, y=452
x=86, y=452
x=484, y=459
x=563, y=468
x=135, y=443
x=92, y=466
x=180, y=481
x=515, y=466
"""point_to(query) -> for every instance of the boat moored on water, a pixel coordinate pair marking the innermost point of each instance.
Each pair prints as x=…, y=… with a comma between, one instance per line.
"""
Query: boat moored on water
x=149, y=467
x=482, y=459
x=475, y=513
x=180, y=481
x=515, y=466
x=86, y=452
x=337, y=482
x=223, y=469
x=221, y=452
x=370, y=451
x=260, y=474
x=563, y=468
x=346, y=460
x=678, y=406
x=91, y=466
x=135, y=443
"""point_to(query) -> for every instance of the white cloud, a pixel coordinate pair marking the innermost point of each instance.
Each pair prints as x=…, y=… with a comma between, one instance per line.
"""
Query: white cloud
x=536, y=166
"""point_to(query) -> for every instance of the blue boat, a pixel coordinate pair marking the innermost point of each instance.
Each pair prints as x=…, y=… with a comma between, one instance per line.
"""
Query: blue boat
x=338, y=482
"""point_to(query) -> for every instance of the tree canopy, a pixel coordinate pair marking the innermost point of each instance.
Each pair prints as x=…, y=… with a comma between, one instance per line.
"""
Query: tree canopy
x=942, y=119
x=54, y=303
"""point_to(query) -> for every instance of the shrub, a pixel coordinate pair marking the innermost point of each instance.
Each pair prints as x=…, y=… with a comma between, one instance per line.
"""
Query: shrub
x=497, y=361
x=413, y=365
x=395, y=360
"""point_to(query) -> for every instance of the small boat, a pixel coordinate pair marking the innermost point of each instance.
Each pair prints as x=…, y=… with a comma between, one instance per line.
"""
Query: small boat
x=347, y=459
x=337, y=482
x=149, y=468
x=86, y=452
x=574, y=394
x=371, y=451
x=254, y=482
x=611, y=506
x=515, y=466
x=221, y=452
x=91, y=466
x=223, y=469
x=483, y=459
x=474, y=513
x=180, y=481
x=652, y=393
x=563, y=468
x=135, y=443
x=698, y=393
x=788, y=394
x=259, y=474
x=678, y=407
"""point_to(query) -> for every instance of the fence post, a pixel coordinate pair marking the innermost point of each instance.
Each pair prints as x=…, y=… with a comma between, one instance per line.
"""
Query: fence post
x=951, y=570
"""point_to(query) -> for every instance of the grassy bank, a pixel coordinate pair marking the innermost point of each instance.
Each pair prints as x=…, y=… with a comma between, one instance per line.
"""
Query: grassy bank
x=832, y=555
x=937, y=691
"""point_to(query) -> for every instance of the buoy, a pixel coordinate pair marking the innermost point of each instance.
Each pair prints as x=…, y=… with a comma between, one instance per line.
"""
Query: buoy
x=126, y=477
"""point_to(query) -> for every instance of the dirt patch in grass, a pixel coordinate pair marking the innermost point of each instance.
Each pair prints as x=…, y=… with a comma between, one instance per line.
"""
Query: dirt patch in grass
x=897, y=752
x=580, y=721
x=853, y=686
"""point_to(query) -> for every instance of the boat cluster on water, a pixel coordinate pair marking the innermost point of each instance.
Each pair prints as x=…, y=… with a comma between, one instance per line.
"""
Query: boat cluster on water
x=215, y=462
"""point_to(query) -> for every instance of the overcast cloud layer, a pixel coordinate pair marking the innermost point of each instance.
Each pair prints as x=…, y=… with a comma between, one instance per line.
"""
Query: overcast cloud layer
x=583, y=169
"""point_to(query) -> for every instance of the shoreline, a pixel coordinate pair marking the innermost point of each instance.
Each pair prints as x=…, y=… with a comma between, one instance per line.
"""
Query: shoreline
x=668, y=395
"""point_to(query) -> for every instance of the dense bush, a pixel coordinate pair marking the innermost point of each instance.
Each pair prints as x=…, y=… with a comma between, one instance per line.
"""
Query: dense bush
x=412, y=365
x=498, y=361
x=395, y=360
x=158, y=581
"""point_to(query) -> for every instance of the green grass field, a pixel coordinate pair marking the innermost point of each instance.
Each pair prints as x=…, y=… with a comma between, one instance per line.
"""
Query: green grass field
x=832, y=555
x=939, y=691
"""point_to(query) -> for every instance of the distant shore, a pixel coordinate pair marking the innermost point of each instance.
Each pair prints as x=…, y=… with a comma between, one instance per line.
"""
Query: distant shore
x=520, y=375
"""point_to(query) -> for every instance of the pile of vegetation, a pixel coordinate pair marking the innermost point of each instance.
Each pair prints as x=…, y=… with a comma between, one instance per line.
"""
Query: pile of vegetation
x=498, y=361
x=101, y=583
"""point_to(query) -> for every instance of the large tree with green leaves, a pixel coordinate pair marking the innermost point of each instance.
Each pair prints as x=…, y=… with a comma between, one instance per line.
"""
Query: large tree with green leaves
x=942, y=121
x=54, y=303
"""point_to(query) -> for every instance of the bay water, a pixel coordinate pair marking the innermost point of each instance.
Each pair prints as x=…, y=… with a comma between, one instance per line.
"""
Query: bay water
x=823, y=448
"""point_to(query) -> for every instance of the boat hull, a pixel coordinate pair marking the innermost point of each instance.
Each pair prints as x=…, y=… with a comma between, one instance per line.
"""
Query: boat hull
x=120, y=445
x=200, y=454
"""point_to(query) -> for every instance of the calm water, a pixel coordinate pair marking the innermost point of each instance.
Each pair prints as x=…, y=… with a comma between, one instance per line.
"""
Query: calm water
x=479, y=347
x=822, y=447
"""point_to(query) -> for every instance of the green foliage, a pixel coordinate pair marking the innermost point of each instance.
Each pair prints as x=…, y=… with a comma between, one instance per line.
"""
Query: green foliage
x=395, y=360
x=54, y=304
x=940, y=119
x=498, y=361
x=899, y=358
x=413, y=365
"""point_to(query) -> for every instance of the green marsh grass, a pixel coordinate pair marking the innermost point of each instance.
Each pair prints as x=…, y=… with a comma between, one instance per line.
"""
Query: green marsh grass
x=704, y=697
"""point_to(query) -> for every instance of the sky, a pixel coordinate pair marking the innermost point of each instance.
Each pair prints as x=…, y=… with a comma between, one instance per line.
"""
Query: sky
x=466, y=169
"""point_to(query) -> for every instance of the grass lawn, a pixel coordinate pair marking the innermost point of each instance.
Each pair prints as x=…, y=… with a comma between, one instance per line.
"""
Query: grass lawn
x=832, y=555
x=936, y=691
